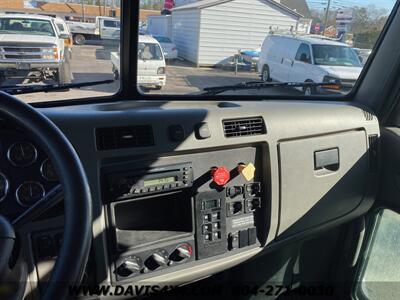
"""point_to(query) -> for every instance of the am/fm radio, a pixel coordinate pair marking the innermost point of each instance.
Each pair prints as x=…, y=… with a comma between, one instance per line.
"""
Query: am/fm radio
x=134, y=183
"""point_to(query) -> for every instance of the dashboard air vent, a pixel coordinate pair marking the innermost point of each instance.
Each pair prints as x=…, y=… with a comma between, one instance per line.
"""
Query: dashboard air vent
x=124, y=137
x=243, y=127
x=368, y=116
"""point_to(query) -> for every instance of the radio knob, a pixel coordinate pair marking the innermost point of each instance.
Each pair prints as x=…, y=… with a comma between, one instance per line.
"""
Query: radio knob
x=130, y=266
x=181, y=253
x=157, y=259
x=160, y=259
x=220, y=175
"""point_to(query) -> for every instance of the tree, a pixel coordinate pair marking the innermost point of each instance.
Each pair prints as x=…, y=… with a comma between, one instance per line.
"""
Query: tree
x=368, y=23
x=152, y=4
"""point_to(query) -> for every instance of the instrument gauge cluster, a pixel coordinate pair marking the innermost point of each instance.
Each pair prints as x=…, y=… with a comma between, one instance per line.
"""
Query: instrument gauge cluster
x=22, y=154
x=29, y=193
x=26, y=173
x=3, y=186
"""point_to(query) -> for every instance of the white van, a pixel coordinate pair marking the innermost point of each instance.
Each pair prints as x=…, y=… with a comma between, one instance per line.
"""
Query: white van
x=151, y=63
x=309, y=59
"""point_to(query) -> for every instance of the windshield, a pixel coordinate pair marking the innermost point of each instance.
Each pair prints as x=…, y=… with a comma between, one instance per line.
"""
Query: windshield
x=149, y=51
x=329, y=55
x=187, y=46
x=26, y=26
x=36, y=54
x=224, y=43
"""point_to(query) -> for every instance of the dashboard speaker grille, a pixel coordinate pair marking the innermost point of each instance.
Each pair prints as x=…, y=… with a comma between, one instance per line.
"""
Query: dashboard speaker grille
x=243, y=127
x=124, y=137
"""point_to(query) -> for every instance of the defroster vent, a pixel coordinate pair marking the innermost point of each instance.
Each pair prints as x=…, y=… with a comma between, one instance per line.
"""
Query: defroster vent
x=124, y=137
x=243, y=127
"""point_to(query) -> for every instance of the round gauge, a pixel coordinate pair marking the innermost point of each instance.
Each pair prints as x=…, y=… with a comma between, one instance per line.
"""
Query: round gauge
x=22, y=154
x=3, y=186
x=48, y=172
x=29, y=193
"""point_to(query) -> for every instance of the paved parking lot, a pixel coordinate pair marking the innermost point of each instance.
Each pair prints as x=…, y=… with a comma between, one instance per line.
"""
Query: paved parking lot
x=92, y=63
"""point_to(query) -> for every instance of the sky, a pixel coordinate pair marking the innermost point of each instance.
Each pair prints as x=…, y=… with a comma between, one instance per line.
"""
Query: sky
x=387, y=4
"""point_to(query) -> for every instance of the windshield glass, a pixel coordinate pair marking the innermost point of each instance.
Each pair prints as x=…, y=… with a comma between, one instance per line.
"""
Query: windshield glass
x=329, y=55
x=26, y=26
x=197, y=44
x=149, y=51
x=51, y=43
x=225, y=43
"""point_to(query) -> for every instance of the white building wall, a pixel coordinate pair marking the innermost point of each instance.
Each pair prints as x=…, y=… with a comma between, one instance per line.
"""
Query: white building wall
x=185, y=33
x=239, y=24
x=159, y=25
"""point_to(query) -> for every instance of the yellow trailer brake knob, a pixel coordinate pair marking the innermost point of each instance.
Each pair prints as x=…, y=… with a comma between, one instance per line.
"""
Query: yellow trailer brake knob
x=247, y=171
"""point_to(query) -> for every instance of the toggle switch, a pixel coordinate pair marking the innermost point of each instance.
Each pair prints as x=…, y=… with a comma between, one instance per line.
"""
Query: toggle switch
x=247, y=171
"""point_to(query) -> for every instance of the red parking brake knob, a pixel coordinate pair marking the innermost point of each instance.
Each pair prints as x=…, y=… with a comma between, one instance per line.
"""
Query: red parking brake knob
x=220, y=175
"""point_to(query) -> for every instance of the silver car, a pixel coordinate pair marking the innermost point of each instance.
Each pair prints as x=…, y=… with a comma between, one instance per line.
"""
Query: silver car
x=168, y=47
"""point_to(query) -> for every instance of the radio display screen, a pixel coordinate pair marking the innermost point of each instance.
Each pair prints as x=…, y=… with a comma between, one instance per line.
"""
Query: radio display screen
x=159, y=181
x=210, y=204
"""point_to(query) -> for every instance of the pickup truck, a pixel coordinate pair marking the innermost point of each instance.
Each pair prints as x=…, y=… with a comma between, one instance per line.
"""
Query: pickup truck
x=32, y=46
x=105, y=28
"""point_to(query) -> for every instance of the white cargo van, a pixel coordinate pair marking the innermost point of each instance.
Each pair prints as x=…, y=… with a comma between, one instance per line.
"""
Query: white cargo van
x=151, y=63
x=309, y=59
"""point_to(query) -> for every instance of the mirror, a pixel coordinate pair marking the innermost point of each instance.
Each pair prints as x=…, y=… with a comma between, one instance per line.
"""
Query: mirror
x=64, y=36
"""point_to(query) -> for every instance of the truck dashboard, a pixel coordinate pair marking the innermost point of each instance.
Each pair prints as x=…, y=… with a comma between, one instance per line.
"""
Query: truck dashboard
x=183, y=190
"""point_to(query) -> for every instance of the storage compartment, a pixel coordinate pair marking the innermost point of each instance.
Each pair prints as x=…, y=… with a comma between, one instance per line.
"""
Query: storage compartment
x=145, y=221
x=322, y=178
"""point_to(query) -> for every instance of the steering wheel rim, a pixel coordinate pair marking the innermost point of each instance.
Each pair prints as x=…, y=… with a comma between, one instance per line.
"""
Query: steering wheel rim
x=74, y=251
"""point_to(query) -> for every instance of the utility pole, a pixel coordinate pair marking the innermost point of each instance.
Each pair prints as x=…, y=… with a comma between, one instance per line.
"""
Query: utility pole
x=326, y=16
x=83, y=10
x=99, y=4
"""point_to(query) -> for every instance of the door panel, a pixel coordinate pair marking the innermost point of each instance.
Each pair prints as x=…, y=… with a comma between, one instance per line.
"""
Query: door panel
x=390, y=179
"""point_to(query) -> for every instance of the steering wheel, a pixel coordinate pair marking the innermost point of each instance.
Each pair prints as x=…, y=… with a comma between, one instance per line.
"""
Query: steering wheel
x=74, y=251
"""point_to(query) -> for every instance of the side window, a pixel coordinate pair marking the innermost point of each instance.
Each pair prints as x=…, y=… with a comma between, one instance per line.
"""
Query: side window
x=61, y=28
x=304, y=53
x=108, y=23
x=380, y=272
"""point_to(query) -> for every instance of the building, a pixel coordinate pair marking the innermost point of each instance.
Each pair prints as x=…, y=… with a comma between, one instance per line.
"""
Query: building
x=209, y=32
x=299, y=6
x=58, y=8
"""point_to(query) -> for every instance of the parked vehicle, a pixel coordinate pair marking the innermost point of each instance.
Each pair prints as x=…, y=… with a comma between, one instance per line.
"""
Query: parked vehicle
x=251, y=56
x=151, y=63
x=105, y=28
x=363, y=54
x=142, y=27
x=308, y=59
x=63, y=29
x=32, y=45
x=168, y=47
